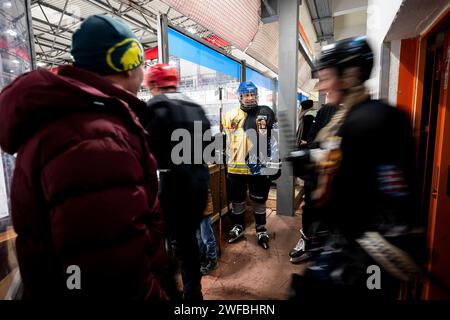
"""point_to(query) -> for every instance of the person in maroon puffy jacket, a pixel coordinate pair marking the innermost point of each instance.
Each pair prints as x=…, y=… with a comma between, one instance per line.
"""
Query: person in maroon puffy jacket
x=84, y=191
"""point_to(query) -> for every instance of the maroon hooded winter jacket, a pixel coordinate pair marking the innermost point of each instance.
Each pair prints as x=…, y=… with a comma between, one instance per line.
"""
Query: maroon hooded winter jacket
x=84, y=191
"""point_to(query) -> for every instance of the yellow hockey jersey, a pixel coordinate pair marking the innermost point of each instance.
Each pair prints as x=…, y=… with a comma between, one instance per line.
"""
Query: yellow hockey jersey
x=239, y=127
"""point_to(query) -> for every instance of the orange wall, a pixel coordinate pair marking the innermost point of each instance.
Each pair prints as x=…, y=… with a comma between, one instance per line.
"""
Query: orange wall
x=304, y=36
x=407, y=75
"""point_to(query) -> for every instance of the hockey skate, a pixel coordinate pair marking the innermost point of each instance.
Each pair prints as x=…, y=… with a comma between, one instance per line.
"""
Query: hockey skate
x=299, y=252
x=263, y=239
x=236, y=233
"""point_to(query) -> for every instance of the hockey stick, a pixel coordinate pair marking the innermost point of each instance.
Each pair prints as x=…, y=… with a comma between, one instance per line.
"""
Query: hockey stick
x=395, y=261
x=220, y=173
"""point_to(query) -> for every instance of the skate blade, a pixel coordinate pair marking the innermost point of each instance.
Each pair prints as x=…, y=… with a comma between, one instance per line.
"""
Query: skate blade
x=302, y=258
x=235, y=239
x=264, y=245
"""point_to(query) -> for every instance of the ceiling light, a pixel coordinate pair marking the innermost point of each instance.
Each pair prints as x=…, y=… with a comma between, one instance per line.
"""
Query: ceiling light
x=7, y=5
x=11, y=32
x=192, y=30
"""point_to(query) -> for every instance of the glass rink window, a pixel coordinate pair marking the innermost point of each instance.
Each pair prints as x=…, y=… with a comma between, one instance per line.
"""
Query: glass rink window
x=202, y=71
x=264, y=84
x=15, y=59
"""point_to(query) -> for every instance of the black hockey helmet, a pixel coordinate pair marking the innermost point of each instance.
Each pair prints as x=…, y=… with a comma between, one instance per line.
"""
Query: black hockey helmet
x=351, y=52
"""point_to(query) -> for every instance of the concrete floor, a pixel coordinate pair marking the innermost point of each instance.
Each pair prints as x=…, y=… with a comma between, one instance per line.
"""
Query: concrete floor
x=248, y=272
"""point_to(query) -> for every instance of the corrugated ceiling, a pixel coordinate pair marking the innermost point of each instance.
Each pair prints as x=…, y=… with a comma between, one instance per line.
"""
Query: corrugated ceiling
x=236, y=21
x=243, y=29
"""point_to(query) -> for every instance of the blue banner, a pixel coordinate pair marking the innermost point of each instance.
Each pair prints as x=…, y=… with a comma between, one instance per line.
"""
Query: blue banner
x=187, y=48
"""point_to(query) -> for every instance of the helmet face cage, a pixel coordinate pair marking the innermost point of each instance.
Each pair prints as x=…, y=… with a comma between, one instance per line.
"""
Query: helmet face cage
x=248, y=94
x=247, y=89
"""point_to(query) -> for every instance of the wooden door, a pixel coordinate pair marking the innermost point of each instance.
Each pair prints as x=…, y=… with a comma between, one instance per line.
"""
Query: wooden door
x=439, y=213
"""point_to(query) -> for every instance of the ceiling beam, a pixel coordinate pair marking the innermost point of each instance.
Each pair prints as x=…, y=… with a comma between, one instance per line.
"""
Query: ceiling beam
x=325, y=37
x=59, y=23
x=49, y=40
x=141, y=8
x=320, y=19
x=343, y=7
x=100, y=4
x=64, y=48
x=47, y=32
x=42, y=49
x=52, y=26
x=50, y=6
x=57, y=60
x=49, y=46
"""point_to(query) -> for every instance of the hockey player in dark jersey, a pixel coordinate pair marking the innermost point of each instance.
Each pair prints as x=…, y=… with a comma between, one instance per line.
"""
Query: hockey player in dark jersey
x=311, y=229
x=365, y=178
x=183, y=184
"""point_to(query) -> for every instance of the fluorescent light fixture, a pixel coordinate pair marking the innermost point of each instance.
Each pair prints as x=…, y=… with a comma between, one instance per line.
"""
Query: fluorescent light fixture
x=192, y=30
x=11, y=32
x=7, y=5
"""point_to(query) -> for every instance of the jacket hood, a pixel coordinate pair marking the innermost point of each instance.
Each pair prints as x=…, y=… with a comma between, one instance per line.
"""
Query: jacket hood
x=39, y=97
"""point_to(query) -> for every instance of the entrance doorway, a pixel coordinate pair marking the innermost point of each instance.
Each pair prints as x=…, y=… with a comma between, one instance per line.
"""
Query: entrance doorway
x=434, y=156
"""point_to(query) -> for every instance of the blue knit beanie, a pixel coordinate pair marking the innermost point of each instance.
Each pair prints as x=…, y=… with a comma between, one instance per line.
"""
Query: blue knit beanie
x=106, y=46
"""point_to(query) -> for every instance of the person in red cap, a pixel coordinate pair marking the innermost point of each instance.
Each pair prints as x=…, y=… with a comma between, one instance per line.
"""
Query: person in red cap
x=183, y=178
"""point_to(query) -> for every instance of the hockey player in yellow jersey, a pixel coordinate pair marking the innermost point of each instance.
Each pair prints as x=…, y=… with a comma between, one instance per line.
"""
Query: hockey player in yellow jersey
x=248, y=130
